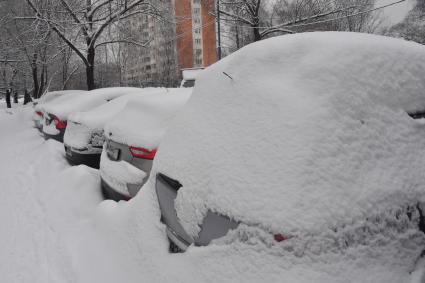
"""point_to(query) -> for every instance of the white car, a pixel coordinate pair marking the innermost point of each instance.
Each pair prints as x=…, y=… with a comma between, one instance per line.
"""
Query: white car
x=57, y=111
x=84, y=137
x=189, y=76
x=302, y=146
x=47, y=97
x=132, y=138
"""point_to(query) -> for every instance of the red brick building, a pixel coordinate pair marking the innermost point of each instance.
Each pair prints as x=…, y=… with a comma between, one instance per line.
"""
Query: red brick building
x=196, y=33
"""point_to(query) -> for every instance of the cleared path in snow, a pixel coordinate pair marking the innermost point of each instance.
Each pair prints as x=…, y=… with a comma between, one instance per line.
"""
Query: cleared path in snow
x=37, y=203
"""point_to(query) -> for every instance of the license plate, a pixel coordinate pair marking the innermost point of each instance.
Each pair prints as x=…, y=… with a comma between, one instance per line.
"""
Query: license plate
x=113, y=153
x=68, y=151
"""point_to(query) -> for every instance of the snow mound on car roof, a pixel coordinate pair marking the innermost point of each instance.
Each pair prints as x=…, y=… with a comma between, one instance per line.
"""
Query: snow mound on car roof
x=144, y=121
x=97, y=117
x=53, y=95
x=83, y=101
x=49, y=96
x=301, y=133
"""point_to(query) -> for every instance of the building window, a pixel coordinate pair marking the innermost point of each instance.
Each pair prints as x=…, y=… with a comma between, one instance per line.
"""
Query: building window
x=197, y=33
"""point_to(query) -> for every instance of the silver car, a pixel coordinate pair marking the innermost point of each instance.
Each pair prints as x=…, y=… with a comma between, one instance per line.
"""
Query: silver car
x=132, y=139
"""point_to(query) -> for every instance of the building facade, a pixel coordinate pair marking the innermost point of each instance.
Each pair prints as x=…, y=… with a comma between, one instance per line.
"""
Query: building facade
x=186, y=40
x=196, y=33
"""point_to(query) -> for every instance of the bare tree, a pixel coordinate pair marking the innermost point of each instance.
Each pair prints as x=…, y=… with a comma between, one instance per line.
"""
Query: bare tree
x=268, y=18
x=32, y=42
x=83, y=24
x=413, y=26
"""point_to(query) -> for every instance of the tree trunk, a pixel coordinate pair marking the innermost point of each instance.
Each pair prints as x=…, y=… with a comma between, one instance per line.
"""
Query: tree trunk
x=9, y=105
x=35, y=77
x=27, y=97
x=42, y=81
x=15, y=97
x=90, y=69
x=257, y=35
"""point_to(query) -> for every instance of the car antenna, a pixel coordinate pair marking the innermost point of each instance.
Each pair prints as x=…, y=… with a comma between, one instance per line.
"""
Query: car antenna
x=228, y=75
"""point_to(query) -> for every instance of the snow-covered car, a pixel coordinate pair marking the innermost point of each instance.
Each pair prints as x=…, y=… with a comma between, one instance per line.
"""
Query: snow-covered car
x=189, y=76
x=132, y=138
x=310, y=148
x=84, y=138
x=47, y=97
x=57, y=111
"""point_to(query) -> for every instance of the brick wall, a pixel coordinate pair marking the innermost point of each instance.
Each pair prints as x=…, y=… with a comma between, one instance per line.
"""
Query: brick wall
x=184, y=33
x=184, y=43
x=209, y=32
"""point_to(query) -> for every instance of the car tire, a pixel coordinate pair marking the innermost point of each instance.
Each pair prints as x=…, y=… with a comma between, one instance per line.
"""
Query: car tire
x=174, y=248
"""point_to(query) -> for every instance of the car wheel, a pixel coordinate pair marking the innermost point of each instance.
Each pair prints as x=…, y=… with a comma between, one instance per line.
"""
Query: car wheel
x=174, y=248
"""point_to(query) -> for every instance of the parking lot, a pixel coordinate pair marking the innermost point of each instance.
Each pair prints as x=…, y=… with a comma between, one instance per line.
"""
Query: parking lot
x=314, y=176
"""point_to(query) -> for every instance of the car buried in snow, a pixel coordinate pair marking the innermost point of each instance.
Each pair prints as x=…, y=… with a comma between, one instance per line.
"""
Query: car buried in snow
x=310, y=148
x=56, y=112
x=84, y=135
x=132, y=138
x=46, y=98
x=189, y=76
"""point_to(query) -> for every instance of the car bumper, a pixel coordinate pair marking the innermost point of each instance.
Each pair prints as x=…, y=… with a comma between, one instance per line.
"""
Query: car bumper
x=110, y=193
x=82, y=157
x=58, y=137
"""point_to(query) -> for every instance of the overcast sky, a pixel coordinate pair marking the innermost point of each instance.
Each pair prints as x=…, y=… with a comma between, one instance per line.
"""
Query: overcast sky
x=396, y=13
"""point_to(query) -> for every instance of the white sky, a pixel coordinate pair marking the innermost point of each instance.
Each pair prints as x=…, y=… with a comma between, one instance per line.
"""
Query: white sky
x=396, y=13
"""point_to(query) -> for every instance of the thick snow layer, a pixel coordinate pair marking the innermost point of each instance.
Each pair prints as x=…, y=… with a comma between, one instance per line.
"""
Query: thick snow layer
x=191, y=74
x=50, y=129
x=47, y=97
x=306, y=136
x=55, y=230
x=78, y=135
x=128, y=244
x=51, y=95
x=144, y=121
x=119, y=173
x=81, y=125
x=65, y=105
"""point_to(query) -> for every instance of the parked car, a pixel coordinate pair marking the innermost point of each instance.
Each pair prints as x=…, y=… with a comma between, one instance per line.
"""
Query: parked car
x=307, y=148
x=56, y=112
x=84, y=137
x=189, y=76
x=46, y=98
x=132, y=138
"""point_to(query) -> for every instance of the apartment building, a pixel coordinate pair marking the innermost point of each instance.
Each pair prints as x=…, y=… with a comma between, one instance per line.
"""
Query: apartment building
x=186, y=41
x=196, y=33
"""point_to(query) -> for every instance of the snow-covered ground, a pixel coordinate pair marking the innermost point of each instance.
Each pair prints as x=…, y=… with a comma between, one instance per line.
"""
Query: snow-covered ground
x=42, y=199
x=55, y=228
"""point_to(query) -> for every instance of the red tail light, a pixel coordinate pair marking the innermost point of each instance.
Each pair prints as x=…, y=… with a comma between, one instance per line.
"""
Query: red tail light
x=58, y=122
x=141, y=152
x=280, y=237
x=39, y=113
